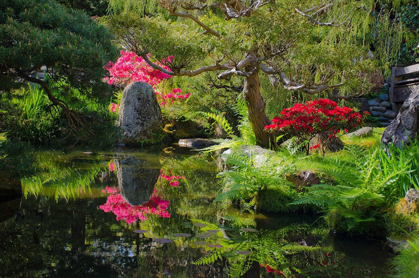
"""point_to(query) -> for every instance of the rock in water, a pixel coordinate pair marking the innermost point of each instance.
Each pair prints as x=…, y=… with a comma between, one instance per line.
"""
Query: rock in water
x=405, y=126
x=139, y=113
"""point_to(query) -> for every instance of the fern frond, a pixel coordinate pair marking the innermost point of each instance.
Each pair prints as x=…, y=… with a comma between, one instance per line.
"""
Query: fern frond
x=222, y=121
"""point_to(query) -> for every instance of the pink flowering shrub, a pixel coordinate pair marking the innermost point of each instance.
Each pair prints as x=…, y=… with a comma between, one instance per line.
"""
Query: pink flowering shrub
x=129, y=213
x=170, y=98
x=130, y=68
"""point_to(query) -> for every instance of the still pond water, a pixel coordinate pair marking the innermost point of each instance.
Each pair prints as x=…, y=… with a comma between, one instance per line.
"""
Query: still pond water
x=152, y=214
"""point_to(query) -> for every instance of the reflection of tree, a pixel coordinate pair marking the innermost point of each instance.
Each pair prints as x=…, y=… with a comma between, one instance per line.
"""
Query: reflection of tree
x=129, y=213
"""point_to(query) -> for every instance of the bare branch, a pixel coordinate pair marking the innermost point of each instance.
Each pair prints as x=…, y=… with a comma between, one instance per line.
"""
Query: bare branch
x=316, y=22
x=189, y=73
x=235, y=9
x=173, y=6
x=234, y=71
x=290, y=85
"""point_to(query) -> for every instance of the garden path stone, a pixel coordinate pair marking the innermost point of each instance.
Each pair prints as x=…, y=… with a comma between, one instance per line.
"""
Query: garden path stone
x=196, y=143
x=362, y=132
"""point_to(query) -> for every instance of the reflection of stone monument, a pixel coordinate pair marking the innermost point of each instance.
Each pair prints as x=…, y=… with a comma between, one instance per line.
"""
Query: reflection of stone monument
x=136, y=179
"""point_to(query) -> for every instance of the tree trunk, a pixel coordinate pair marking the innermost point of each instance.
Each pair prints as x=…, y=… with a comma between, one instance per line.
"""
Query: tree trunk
x=256, y=110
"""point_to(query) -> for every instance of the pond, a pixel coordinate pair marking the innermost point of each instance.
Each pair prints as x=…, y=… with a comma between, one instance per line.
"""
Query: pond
x=148, y=213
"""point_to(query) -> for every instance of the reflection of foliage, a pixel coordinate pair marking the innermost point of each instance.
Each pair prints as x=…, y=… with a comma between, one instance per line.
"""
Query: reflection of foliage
x=129, y=213
x=246, y=181
x=56, y=177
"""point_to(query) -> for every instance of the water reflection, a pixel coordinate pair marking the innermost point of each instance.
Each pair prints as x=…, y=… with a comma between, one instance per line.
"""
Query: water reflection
x=136, y=178
x=166, y=225
x=123, y=210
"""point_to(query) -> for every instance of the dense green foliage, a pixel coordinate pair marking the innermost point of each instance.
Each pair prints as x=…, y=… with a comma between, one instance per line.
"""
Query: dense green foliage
x=36, y=34
x=63, y=51
x=91, y=7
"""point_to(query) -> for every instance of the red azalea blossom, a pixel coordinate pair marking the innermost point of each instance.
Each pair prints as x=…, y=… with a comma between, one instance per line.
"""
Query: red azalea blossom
x=306, y=120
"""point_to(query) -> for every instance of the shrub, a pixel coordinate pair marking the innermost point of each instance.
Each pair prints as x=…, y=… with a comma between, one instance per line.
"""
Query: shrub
x=305, y=121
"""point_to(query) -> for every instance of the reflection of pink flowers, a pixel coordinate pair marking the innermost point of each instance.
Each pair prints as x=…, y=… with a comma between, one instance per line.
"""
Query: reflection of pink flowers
x=173, y=180
x=131, y=214
x=111, y=167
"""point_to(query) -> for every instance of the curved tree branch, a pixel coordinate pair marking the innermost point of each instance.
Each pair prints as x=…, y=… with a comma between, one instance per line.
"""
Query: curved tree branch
x=290, y=85
x=189, y=73
x=206, y=27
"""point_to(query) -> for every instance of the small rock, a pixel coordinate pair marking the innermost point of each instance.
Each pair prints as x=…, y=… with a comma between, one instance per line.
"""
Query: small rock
x=373, y=103
x=197, y=143
x=362, y=132
x=383, y=97
x=411, y=196
x=379, y=109
x=303, y=179
x=390, y=114
x=386, y=104
x=376, y=114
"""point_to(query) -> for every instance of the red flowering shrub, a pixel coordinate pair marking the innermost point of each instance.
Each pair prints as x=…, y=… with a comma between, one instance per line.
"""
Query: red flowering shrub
x=305, y=121
x=129, y=213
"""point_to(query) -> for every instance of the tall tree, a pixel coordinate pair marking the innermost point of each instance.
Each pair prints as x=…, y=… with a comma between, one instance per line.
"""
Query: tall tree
x=307, y=46
x=43, y=35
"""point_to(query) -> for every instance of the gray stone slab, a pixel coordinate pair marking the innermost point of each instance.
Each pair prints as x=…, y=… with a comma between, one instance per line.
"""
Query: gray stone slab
x=376, y=114
x=373, y=103
x=386, y=104
x=383, y=97
x=379, y=109
x=390, y=114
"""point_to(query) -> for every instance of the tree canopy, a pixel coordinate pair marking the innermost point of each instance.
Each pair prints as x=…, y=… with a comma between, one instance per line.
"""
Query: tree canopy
x=307, y=46
x=45, y=35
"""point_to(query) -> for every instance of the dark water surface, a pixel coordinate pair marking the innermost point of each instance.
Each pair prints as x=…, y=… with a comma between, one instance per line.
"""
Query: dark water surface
x=151, y=214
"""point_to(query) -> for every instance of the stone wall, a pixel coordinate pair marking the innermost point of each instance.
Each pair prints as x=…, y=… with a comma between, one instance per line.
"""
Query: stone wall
x=384, y=110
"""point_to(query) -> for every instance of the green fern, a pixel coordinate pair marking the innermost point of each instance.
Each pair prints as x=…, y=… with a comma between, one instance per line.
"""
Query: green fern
x=210, y=258
x=222, y=121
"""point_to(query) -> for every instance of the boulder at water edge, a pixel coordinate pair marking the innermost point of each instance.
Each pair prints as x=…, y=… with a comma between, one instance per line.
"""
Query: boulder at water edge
x=405, y=126
x=139, y=113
